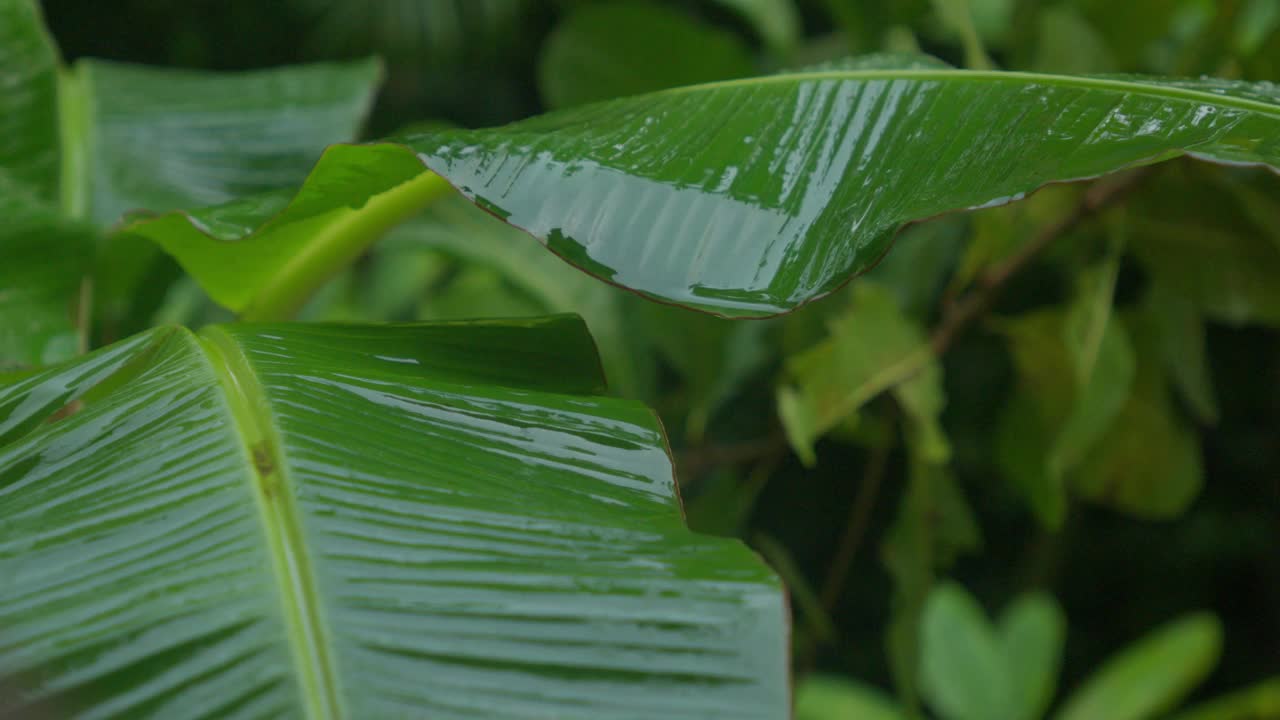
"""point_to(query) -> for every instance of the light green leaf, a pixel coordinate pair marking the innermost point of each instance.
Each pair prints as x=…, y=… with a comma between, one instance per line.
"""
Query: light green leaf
x=830, y=697
x=1152, y=675
x=777, y=21
x=366, y=522
x=1256, y=702
x=1031, y=632
x=684, y=196
x=461, y=231
x=963, y=672
x=872, y=348
x=29, y=143
x=608, y=50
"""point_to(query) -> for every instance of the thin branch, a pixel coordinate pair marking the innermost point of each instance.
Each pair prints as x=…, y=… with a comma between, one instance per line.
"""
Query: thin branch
x=695, y=460
x=958, y=315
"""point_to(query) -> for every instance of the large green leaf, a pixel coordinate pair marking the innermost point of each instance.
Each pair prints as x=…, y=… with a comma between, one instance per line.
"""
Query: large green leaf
x=751, y=196
x=162, y=138
x=607, y=50
x=1152, y=675
x=347, y=521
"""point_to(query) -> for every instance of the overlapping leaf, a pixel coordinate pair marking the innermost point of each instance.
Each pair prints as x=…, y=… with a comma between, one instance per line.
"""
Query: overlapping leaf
x=345, y=521
x=749, y=197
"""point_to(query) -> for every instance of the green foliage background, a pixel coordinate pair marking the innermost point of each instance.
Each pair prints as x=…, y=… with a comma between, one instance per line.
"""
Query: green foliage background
x=1135, y=490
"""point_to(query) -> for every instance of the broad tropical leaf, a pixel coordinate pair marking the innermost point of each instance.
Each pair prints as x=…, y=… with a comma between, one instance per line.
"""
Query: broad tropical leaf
x=346, y=521
x=686, y=196
x=161, y=138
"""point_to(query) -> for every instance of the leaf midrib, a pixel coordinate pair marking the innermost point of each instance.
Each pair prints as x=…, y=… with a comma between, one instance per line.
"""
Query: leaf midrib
x=1151, y=88
x=300, y=605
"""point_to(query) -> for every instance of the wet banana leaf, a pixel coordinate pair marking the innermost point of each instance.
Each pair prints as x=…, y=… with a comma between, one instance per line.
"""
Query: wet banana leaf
x=330, y=521
x=749, y=197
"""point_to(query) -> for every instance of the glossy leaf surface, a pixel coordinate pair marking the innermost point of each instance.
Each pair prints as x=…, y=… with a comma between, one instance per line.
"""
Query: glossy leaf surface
x=347, y=521
x=749, y=197
x=161, y=138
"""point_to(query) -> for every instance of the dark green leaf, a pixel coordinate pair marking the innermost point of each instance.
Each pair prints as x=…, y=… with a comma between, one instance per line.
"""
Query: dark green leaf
x=29, y=142
x=611, y=49
x=687, y=197
x=43, y=258
x=714, y=356
x=1150, y=676
x=1213, y=239
x=366, y=522
x=459, y=230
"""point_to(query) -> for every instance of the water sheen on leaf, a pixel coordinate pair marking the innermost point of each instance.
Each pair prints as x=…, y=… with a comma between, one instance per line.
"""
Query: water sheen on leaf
x=428, y=520
x=749, y=197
